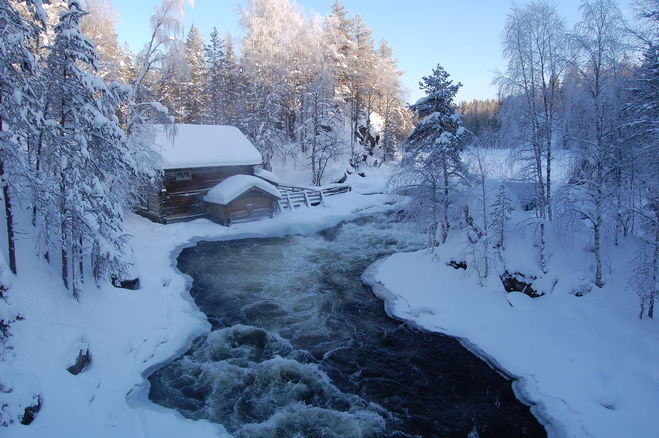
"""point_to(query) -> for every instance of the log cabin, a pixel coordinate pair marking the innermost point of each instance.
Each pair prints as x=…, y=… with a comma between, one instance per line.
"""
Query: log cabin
x=192, y=159
x=241, y=198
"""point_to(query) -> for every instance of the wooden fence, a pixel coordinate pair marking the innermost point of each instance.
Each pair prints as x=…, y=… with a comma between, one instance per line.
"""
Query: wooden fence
x=296, y=197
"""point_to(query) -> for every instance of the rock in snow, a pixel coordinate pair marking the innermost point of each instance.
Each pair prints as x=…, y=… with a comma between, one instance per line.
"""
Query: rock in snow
x=82, y=361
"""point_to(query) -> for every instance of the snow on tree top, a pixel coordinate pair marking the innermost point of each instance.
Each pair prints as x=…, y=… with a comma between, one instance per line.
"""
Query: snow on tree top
x=184, y=146
x=236, y=185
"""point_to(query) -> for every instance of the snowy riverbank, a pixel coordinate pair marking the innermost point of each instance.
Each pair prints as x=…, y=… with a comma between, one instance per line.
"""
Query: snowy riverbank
x=128, y=333
x=587, y=364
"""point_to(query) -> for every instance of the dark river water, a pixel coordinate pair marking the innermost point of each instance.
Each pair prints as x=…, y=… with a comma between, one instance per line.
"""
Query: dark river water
x=300, y=348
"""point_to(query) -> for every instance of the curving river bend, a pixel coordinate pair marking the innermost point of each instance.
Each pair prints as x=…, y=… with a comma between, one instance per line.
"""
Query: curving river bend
x=300, y=348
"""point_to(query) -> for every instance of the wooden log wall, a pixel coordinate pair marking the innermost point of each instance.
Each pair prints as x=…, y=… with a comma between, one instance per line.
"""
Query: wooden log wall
x=253, y=205
x=183, y=199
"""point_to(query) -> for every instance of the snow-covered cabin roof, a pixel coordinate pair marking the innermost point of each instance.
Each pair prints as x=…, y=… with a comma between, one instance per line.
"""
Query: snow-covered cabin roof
x=203, y=146
x=266, y=175
x=236, y=185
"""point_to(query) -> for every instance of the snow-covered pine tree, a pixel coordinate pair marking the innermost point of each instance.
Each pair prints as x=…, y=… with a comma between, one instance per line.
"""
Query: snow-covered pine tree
x=194, y=98
x=8, y=315
x=390, y=105
x=340, y=45
x=234, y=84
x=501, y=209
x=19, y=115
x=88, y=159
x=170, y=86
x=361, y=91
x=434, y=150
x=215, y=86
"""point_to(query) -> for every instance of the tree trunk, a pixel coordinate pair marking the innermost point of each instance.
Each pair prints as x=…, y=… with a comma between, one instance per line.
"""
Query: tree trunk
x=486, y=233
x=76, y=265
x=11, y=238
x=9, y=216
x=598, y=255
x=655, y=262
x=597, y=229
x=445, y=224
x=64, y=233
x=95, y=263
x=432, y=229
x=618, y=202
x=543, y=261
x=501, y=237
x=548, y=176
x=81, y=261
x=540, y=183
x=65, y=263
x=599, y=197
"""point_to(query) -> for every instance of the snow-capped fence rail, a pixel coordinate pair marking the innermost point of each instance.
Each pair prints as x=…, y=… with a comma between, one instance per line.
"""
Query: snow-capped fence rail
x=295, y=197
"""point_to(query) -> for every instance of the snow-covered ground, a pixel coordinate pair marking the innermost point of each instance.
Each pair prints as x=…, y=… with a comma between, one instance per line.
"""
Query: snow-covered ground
x=128, y=333
x=588, y=363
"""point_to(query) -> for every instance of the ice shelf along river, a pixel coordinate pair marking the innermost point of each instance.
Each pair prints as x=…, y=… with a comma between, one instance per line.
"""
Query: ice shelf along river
x=301, y=348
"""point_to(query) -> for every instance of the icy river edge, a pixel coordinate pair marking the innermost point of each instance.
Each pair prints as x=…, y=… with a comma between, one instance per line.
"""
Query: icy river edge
x=183, y=235
x=585, y=364
x=581, y=377
x=180, y=236
x=610, y=367
x=128, y=333
x=394, y=304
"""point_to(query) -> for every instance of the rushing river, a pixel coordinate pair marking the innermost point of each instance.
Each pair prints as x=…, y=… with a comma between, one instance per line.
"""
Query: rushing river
x=300, y=348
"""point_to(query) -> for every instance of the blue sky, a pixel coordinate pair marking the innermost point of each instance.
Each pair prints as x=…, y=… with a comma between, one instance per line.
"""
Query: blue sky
x=461, y=35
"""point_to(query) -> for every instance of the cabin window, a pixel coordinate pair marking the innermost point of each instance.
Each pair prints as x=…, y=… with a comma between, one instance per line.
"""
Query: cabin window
x=183, y=176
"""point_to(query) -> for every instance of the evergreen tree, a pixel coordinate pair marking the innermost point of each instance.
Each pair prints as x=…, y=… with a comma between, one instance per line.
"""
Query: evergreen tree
x=501, y=209
x=216, y=84
x=87, y=167
x=194, y=98
x=433, y=164
x=171, y=84
x=397, y=119
x=338, y=37
x=18, y=104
